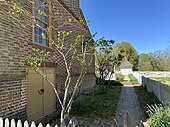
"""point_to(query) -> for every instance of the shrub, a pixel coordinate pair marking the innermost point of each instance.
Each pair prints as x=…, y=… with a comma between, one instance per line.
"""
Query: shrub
x=159, y=115
x=151, y=99
x=119, y=77
x=132, y=78
x=100, y=81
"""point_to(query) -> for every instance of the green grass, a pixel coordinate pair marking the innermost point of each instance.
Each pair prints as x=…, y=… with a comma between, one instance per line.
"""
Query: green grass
x=164, y=80
x=101, y=104
x=108, y=82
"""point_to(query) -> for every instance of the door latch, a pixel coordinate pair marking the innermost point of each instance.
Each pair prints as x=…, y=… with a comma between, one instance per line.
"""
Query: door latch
x=41, y=91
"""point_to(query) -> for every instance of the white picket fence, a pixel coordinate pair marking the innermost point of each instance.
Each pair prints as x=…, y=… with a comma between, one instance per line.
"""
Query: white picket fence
x=7, y=123
x=151, y=73
x=13, y=123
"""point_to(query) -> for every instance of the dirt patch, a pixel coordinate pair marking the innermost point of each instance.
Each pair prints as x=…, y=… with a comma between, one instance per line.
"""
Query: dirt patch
x=141, y=95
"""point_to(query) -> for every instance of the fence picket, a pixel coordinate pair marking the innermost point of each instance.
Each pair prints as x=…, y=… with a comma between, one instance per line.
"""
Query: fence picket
x=33, y=124
x=6, y=122
x=127, y=120
x=115, y=124
x=26, y=124
x=141, y=124
x=40, y=125
x=19, y=124
x=63, y=124
x=1, y=122
x=70, y=125
x=47, y=125
x=13, y=123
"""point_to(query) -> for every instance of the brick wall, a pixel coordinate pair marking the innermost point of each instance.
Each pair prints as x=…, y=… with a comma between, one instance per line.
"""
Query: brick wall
x=14, y=43
x=73, y=5
x=16, y=40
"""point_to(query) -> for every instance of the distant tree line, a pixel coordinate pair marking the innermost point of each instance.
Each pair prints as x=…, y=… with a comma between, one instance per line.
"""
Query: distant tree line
x=156, y=61
x=109, y=56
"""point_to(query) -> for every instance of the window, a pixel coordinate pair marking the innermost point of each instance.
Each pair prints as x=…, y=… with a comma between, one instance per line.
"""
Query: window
x=40, y=13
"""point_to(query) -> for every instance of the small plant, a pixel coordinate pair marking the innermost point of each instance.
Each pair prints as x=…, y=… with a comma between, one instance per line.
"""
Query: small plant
x=132, y=78
x=151, y=99
x=99, y=104
x=119, y=77
x=109, y=83
x=159, y=115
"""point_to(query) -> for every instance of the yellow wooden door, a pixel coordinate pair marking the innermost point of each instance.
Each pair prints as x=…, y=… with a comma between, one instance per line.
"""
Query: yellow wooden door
x=41, y=96
x=49, y=95
x=34, y=98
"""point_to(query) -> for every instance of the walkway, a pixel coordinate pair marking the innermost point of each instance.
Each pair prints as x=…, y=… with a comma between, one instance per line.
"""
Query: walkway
x=128, y=102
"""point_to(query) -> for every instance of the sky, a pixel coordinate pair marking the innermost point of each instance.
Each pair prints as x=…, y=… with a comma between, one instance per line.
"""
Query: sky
x=145, y=24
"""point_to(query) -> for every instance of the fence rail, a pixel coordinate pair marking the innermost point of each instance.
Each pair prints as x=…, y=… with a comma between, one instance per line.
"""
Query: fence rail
x=12, y=123
x=152, y=73
x=162, y=91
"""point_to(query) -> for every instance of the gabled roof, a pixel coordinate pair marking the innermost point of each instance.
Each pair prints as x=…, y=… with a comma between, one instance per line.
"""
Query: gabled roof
x=126, y=64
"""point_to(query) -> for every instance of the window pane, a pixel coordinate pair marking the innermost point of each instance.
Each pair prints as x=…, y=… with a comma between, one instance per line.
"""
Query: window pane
x=36, y=5
x=36, y=23
x=35, y=38
x=45, y=10
x=41, y=8
x=45, y=19
x=36, y=13
x=40, y=40
x=40, y=31
x=35, y=30
x=41, y=23
x=45, y=34
x=41, y=1
x=44, y=41
x=44, y=26
x=41, y=17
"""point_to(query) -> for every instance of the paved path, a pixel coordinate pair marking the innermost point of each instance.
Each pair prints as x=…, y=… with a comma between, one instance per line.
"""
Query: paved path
x=128, y=102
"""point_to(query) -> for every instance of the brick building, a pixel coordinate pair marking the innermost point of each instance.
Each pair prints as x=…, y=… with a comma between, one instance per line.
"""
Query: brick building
x=23, y=93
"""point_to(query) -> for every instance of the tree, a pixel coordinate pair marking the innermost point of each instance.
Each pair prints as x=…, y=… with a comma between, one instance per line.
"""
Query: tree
x=156, y=61
x=167, y=59
x=104, y=58
x=80, y=50
x=126, y=50
x=162, y=59
x=145, y=62
x=87, y=49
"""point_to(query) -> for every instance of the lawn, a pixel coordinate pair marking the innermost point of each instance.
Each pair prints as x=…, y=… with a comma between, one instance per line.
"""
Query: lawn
x=100, y=104
x=164, y=80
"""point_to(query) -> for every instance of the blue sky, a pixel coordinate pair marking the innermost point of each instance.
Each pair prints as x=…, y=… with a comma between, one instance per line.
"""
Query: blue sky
x=143, y=23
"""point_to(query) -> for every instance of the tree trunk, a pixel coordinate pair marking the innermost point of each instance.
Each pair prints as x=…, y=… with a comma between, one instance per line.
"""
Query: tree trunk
x=62, y=115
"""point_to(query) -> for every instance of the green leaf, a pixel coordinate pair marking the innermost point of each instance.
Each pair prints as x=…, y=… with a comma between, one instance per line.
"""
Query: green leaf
x=69, y=20
x=43, y=35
